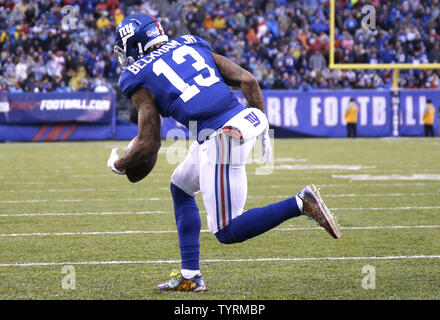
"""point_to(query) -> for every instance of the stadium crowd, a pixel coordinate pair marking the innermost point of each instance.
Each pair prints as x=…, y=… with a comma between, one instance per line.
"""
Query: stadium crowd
x=284, y=43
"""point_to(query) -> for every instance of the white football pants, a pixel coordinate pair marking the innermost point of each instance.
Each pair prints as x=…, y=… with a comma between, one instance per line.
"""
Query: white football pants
x=216, y=168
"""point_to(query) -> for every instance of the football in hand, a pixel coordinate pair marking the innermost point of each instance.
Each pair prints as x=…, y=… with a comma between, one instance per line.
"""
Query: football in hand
x=140, y=171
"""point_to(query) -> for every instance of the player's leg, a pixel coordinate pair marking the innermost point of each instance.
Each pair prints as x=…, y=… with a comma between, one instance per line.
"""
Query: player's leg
x=184, y=186
x=253, y=222
x=225, y=200
x=223, y=183
x=229, y=195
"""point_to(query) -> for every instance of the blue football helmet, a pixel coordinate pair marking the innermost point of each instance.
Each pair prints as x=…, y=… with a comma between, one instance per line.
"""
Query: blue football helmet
x=134, y=35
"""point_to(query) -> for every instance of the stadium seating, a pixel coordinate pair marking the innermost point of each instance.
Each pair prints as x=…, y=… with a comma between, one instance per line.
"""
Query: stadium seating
x=284, y=43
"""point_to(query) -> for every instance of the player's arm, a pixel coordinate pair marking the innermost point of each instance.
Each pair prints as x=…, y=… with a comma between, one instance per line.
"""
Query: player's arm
x=235, y=75
x=148, y=139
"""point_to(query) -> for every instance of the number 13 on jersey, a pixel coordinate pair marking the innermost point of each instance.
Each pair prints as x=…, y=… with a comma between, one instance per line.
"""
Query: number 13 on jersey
x=188, y=91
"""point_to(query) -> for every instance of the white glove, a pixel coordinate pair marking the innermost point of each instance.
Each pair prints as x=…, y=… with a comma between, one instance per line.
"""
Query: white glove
x=111, y=161
x=266, y=155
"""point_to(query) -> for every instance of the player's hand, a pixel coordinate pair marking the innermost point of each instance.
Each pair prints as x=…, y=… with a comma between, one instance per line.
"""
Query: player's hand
x=114, y=156
x=266, y=155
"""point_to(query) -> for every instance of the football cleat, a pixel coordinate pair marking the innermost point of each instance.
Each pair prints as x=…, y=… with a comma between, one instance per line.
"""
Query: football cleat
x=315, y=209
x=179, y=283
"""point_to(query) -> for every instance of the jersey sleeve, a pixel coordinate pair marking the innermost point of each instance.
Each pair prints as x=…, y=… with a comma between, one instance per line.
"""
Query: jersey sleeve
x=129, y=82
x=203, y=43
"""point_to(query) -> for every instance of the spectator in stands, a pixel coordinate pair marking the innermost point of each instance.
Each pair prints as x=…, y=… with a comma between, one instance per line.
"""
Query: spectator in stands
x=103, y=22
x=54, y=65
x=305, y=86
x=317, y=61
x=3, y=87
x=219, y=21
x=280, y=35
x=272, y=25
x=78, y=77
x=100, y=85
x=112, y=5
x=279, y=84
x=16, y=88
x=62, y=88
x=9, y=73
x=351, y=23
x=208, y=23
x=21, y=69
x=118, y=16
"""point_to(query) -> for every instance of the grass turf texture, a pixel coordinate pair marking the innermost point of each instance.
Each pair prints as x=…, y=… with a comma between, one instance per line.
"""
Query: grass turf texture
x=72, y=178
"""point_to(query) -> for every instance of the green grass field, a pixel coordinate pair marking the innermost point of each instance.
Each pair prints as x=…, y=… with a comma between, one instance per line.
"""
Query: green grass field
x=60, y=205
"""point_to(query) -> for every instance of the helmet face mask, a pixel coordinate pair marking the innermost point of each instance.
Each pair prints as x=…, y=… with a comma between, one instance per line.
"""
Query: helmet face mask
x=120, y=55
x=123, y=60
x=134, y=36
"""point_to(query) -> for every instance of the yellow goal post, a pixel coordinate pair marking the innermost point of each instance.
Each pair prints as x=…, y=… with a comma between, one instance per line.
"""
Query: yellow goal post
x=364, y=66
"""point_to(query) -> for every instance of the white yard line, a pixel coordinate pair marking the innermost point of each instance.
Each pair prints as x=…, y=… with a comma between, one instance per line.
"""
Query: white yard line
x=348, y=195
x=84, y=200
x=32, y=182
x=358, y=195
x=289, y=160
x=374, y=184
x=87, y=233
x=381, y=195
x=413, y=177
x=48, y=214
x=353, y=184
x=322, y=167
x=82, y=213
x=385, y=208
x=205, y=231
x=366, y=228
x=58, y=190
x=33, y=264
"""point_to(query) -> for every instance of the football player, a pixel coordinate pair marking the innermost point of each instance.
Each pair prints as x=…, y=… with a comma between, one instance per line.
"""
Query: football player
x=182, y=78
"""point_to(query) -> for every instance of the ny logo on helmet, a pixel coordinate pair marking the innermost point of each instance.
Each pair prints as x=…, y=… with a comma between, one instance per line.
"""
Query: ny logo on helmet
x=126, y=32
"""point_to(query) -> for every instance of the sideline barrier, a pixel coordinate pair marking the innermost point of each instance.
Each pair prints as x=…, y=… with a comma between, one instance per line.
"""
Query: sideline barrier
x=92, y=116
x=320, y=113
x=411, y=107
x=57, y=116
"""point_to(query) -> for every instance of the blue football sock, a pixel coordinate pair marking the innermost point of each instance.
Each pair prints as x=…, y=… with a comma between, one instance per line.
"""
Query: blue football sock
x=258, y=220
x=188, y=227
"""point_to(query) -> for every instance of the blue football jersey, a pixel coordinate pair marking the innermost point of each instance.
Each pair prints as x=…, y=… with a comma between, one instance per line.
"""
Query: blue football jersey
x=185, y=82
